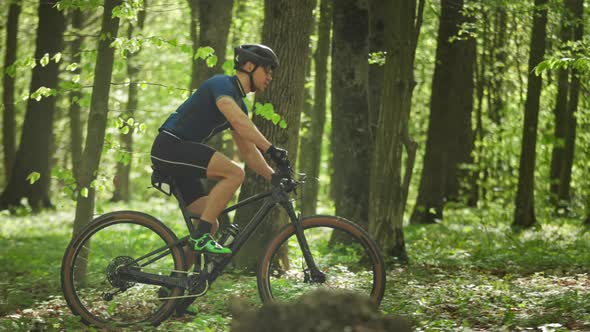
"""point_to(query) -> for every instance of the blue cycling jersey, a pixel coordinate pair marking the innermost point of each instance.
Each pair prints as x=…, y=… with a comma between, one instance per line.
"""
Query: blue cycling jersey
x=198, y=118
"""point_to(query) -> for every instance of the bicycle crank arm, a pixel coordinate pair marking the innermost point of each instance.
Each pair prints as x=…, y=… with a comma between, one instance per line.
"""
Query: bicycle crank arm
x=153, y=279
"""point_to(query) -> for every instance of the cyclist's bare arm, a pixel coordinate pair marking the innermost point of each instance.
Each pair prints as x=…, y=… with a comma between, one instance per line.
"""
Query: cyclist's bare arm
x=252, y=156
x=241, y=123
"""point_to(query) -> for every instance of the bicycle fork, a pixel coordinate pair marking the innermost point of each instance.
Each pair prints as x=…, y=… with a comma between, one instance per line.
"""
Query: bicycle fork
x=315, y=275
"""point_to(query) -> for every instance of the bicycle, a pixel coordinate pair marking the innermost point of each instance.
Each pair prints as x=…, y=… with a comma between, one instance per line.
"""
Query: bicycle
x=111, y=283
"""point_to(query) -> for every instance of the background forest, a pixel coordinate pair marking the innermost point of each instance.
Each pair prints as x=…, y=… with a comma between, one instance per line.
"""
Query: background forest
x=457, y=132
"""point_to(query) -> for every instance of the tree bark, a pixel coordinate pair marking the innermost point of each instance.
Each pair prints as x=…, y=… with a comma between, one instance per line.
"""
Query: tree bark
x=97, y=119
x=214, y=19
x=450, y=136
x=33, y=152
x=377, y=20
x=8, y=116
x=389, y=191
x=311, y=147
x=75, y=95
x=524, y=212
x=351, y=139
x=287, y=28
x=576, y=7
x=122, y=192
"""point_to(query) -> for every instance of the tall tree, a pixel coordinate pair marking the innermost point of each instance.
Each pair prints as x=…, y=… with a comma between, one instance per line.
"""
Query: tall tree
x=287, y=28
x=566, y=105
x=78, y=19
x=524, y=212
x=311, y=146
x=351, y=141
x=97, y=119
x=377, y=20
x=389, y=192
x=8, y=115
x=33, y=153
x=214, y=20
x=449, y=131
x=122, y=192
x=572, y=109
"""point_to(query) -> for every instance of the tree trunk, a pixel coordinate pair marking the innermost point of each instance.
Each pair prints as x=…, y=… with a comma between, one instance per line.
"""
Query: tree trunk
x=524, y=212
x=311, y=148
x=287, y=28
x=565, y=175
x=499, y=54
x=97, y=119
x=450, y=137
x=33, y=152
x=214, y=19
x=122, y=192
x=377, y=20
x=350, y=110
x=75, y=95
x=389, y=192
x=8, y=116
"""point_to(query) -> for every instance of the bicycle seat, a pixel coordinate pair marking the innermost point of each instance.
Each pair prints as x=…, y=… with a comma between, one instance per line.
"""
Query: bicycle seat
x=162, y=182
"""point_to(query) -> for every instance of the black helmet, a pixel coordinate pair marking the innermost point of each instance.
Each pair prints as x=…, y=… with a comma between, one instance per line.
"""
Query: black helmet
x=258, y=54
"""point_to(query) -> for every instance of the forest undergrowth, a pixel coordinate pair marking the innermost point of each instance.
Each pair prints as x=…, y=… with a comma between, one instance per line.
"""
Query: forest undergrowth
x=469, y=273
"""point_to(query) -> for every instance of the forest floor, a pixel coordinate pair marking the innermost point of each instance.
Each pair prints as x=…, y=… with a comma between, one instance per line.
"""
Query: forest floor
x=470, y=273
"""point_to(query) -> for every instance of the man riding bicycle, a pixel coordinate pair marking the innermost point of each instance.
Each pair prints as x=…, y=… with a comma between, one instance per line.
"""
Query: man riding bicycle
x=180, y=150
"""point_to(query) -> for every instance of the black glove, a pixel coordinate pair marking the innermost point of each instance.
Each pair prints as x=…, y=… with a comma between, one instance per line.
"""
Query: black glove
x=276, y=154
x=276, y=179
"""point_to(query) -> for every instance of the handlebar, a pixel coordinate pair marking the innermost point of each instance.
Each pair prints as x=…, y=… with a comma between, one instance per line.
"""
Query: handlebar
x=285, y=170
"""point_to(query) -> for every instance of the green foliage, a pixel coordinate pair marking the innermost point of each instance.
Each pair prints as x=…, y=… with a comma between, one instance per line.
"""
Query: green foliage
x=266, y=111
x=377, y=58
x=79, y=4
x=128, y=9
x=33, y=177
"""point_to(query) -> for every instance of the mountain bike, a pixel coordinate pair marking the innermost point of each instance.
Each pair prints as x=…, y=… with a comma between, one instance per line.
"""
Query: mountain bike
x=127, y=267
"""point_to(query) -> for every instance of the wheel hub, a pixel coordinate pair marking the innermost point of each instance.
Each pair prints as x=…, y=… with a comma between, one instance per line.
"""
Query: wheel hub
x=113, y=276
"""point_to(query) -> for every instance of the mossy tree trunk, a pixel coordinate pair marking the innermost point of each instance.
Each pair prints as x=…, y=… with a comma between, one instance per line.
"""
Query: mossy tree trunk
x=8, y=114
x=34, y=150
x=287, y=28
x=311, y=146
x=389, y=190
x=351, y=137
x=97, y=119
x=566, y=104
x=524, y=212
x=450, y=135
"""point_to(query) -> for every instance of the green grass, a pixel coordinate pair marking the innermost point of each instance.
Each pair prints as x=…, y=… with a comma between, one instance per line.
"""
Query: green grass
x=470, y=272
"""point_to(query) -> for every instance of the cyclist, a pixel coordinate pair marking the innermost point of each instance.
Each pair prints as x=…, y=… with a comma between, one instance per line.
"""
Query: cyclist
x=180, y=149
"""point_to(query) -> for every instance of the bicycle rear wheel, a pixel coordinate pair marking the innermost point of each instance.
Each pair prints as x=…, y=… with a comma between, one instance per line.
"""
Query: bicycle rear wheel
x=89, y=270
x=351, y=261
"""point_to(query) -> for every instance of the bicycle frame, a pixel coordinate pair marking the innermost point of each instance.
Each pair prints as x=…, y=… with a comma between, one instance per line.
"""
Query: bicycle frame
x=276, y=196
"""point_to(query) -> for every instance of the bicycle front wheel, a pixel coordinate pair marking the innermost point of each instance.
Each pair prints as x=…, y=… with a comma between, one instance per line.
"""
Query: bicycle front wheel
x=95, y=290
x=346, y=255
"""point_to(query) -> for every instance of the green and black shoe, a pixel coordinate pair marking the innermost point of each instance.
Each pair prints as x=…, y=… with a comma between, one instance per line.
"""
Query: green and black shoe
x=206, y=243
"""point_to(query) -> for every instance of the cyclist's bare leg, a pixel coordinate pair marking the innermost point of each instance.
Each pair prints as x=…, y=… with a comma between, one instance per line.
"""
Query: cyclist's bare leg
x=230, y=176
x=197, y=208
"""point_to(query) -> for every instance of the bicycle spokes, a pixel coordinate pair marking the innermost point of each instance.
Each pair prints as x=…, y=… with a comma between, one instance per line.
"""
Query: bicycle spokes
x=101, y=286
x=341, y=264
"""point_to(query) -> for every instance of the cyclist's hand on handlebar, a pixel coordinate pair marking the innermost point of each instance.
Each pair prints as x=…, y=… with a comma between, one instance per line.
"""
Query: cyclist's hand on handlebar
x=276, y=179
x=277, y=155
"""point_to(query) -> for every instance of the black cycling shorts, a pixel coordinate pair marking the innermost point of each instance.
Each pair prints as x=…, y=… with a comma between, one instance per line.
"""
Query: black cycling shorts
x=185, y=161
